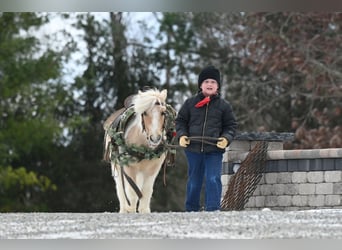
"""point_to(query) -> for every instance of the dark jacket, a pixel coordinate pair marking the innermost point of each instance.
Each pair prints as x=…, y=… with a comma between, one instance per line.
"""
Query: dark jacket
x=215, y=119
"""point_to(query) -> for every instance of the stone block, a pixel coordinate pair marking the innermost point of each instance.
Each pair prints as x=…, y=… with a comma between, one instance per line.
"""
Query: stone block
x=271, y=201
x=240, y=146
x=276, y=155
x=291, y=189
x=306, y=189
x=285, y=177
x=292, y=165
x=333, y=200
x=333, y=176
x=337, y=188
x=299, y=177
x=315, y=177
x=225, y=179
x=260, y=201
x=271, y=178
x=275, y=146
x=282, y=166
x=225, y=157
x=330, y=153
x=328, y=164
x=271, y=166
x=338, y=164
x=225, y=168
x=300, y=200
x=236, y=156
x=265, y=189
x=303, y=165
x=278, y=189
x=316, y=200
x=316, y=165
x=324, y=188
x=284, y=200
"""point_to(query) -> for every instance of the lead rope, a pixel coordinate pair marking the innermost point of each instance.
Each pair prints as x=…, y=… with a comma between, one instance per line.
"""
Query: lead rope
x=205, y=139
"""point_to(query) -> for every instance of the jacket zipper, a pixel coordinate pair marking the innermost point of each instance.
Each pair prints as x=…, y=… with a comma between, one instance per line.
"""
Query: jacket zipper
x=204, y=125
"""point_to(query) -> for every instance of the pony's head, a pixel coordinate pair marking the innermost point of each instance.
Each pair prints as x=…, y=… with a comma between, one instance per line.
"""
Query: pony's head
x=151, y=107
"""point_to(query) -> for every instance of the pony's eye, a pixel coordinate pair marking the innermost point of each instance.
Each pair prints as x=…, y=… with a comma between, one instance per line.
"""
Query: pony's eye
x=163, y=113
x=145, y=114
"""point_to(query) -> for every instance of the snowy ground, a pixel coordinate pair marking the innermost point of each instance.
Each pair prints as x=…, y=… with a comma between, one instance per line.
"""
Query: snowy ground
x=312, y=224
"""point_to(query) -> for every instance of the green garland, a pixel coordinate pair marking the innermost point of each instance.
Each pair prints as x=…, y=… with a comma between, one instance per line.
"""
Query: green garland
x=131, y=153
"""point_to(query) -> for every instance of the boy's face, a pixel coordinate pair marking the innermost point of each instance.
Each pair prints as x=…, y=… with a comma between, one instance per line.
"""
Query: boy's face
x=209, y=87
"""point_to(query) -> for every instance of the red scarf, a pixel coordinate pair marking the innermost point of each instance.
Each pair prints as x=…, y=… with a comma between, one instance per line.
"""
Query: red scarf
x=203, y=102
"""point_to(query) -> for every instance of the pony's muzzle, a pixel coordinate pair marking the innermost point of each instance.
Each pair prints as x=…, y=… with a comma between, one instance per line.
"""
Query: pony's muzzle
x=155, y=140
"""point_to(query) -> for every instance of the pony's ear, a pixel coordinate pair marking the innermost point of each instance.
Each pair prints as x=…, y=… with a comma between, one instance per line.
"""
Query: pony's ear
x=164, y=93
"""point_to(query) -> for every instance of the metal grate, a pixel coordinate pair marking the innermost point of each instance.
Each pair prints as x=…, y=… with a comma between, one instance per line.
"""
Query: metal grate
x=243, y=183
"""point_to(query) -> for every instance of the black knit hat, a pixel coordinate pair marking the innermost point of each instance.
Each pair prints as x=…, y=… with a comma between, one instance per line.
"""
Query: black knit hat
x=209, y=72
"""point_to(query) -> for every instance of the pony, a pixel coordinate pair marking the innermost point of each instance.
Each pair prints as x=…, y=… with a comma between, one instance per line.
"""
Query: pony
x=136, y=141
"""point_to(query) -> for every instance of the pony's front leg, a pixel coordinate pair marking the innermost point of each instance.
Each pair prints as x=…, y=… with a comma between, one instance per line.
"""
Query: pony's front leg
x=145, y=201
x=125, y=207
x=133, y=200
x=121, y=195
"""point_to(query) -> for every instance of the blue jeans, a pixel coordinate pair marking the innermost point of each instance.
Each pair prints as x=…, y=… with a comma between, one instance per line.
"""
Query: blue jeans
x=202, y=166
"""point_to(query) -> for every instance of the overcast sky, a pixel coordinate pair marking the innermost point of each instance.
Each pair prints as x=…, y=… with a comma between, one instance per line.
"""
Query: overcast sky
x=57, y=25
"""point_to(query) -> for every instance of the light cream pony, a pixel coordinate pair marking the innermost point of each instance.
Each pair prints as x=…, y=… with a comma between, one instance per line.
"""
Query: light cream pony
x=146, y=130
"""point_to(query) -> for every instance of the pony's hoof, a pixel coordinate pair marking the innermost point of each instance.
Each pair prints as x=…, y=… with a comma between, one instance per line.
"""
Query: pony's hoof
x=144, y=211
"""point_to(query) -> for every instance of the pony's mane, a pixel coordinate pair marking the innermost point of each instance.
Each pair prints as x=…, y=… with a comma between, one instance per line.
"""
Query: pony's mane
x=146, y=100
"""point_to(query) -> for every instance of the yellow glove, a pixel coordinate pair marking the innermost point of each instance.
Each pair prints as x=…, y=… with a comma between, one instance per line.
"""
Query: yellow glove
x=222, y=143
x=184, y=141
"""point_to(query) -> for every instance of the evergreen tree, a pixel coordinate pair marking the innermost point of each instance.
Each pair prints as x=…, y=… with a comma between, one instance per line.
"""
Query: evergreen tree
x=28, y=128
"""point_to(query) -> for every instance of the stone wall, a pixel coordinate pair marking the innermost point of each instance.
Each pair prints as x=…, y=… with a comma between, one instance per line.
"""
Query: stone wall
x=293, y=179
